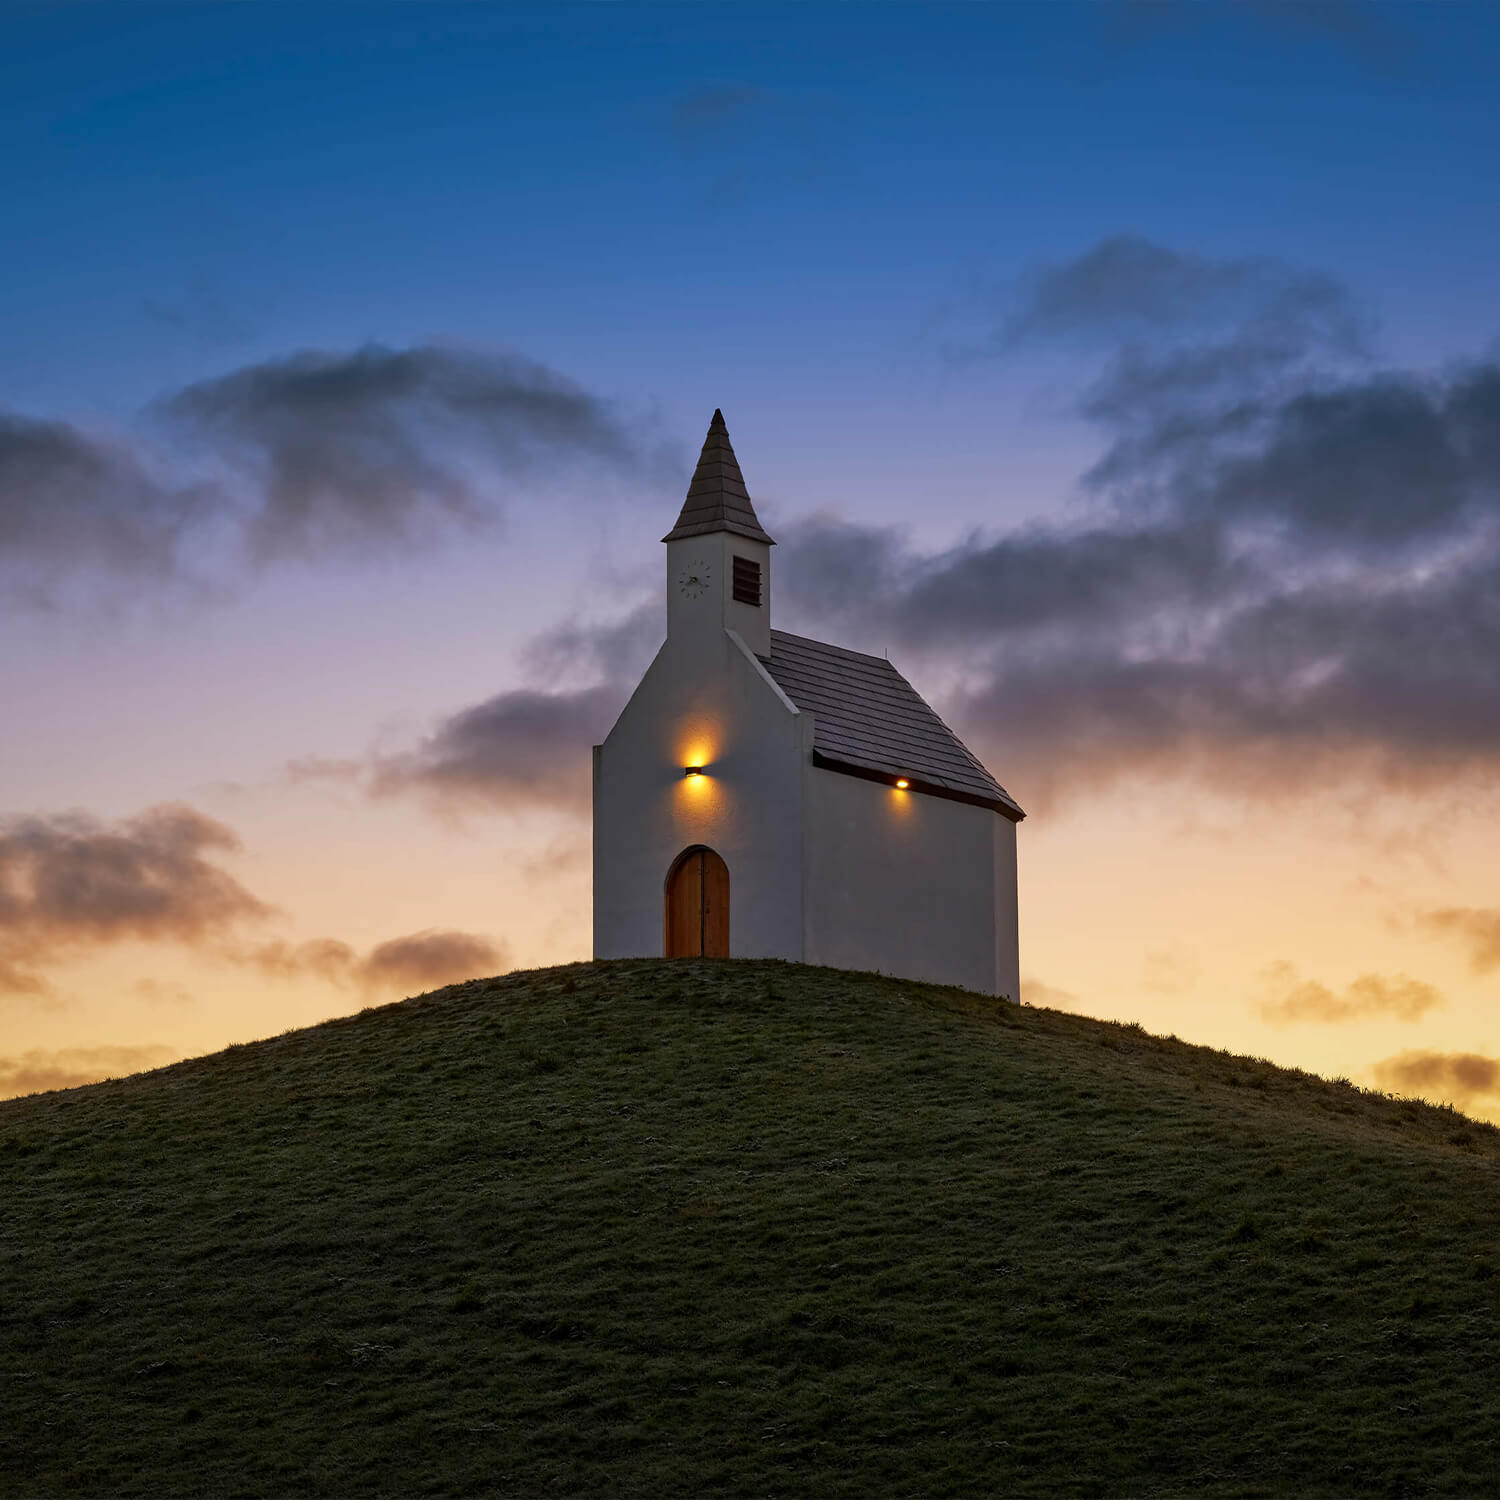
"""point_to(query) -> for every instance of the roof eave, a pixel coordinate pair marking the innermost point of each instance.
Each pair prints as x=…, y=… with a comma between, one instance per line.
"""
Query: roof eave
x=708, y=528
x=1002, y=805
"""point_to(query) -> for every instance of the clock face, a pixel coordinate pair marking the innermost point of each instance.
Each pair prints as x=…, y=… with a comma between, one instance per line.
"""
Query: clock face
x=692, y=581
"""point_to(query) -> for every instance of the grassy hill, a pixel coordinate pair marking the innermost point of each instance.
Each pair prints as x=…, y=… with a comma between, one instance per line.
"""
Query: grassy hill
x=704, y=1227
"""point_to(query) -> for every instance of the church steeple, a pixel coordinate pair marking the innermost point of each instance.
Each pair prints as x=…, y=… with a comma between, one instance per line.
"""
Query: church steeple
x=718, y=554
x=717, y=499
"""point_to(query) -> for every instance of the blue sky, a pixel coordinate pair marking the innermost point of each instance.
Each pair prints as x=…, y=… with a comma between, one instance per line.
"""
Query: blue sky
x=353, y=358
x=653, y=196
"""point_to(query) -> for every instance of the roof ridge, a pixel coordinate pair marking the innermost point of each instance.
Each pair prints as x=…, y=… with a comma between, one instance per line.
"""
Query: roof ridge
x=884, y=661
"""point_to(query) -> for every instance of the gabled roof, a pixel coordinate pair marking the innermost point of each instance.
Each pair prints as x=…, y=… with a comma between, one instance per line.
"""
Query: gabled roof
x=717, y=499
x=868, y=720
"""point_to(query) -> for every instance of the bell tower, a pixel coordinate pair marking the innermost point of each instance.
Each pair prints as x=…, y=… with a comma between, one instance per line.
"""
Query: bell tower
x=718, y=555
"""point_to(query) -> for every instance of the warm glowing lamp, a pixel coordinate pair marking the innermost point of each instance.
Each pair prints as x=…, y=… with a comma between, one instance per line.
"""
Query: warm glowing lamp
x=692, y=770
x=902, y=783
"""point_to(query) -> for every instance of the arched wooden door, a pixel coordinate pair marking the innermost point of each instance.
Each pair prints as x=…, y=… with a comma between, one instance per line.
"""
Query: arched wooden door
x=697, y=905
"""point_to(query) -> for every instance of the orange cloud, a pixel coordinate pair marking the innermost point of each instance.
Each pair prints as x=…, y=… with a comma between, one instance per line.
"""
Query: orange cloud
x=35, y=1071
x=1462, y=1077
x=1478, y=928
x=72, y=881
x=420, y=960
x=1039, y=992
x=1371, y=995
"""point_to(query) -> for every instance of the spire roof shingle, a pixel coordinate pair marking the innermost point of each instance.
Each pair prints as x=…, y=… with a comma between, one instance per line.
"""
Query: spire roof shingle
x=717, y=499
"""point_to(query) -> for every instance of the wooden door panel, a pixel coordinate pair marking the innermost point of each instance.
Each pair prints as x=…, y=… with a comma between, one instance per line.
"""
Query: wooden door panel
x=696, y=912
x=684, y=936
x=715, y=906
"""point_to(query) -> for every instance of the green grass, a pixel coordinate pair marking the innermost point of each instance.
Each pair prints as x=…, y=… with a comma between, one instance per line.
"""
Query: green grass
x=742, y=1229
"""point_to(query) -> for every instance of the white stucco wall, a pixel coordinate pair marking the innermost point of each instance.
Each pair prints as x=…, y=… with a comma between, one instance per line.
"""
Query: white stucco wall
x=1007, y=912
x=752, y=623
x=908, y=884
x=704, y=700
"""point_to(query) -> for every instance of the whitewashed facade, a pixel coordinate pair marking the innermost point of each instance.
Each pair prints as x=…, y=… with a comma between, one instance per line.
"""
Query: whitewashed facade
x=847, y=824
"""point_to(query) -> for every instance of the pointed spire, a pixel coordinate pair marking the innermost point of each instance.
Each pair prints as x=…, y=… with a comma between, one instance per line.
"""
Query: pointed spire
x=717, y=499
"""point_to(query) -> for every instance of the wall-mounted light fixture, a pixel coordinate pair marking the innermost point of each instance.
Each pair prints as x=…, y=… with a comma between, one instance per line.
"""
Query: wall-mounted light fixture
x=692, y=770
x=902, y=783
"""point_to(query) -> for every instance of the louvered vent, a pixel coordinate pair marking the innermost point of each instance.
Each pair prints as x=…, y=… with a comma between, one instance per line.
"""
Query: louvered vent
x=746, y=581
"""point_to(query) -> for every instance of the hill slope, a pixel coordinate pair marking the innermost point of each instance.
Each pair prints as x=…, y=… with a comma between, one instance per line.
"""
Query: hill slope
x=742, y=1228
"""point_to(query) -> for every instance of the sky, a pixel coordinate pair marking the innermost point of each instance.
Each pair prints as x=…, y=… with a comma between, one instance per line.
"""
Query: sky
x=1130, y=372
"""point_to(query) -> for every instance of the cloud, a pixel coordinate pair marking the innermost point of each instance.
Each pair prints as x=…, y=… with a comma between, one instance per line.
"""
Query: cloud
x=73, y=881
x=432, y=958
x=518, y=749
x=321, y=455
x=1477, y=928
x=36, y=1071
x=376, y=449
x=1037, y=992
x=1284, y=569
x=611, y=651
x=1074, y=658
x=73, y=501
x=527, y=747
x=1463, y=1078
x=1128, y=286
x=421, y=960
x=1369, y=997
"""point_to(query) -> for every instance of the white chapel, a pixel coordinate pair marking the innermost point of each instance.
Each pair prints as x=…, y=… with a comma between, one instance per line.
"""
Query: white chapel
x=767, y=796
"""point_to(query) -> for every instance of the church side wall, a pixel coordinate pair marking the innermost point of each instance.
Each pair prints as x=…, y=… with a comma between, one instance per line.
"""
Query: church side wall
x=703, y=701
x=904, y=883
x=1007, y=912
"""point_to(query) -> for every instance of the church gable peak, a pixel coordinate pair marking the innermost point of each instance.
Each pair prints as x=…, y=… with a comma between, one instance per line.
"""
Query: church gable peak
x=717, y=499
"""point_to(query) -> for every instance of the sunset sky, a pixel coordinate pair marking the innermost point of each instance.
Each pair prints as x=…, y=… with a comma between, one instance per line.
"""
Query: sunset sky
x=1129, y=372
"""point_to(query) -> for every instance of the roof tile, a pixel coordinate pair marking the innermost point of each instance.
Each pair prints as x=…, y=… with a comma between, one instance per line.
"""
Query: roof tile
x=717, y=499
x=866, y=715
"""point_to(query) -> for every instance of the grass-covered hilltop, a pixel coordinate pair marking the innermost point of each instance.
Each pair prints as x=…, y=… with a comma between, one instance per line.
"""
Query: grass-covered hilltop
x=735, y=1228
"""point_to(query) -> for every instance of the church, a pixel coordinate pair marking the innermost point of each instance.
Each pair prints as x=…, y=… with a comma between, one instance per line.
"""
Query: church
x=763, y=795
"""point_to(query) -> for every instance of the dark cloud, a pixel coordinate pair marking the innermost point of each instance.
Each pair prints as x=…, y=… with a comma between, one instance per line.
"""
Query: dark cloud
x=1287, y=571
x=522, y=748
x=421, y=960
x=36, y=1071
x=1127, y=287
x=375, y=449
x=318, y=455
x=617, y=651
x=1032, y=582
x=1373, y=462
x=1478, y=929
x=431, y=958
x=73, y=881
x=1077, y=656
x=517, y=749
x=72, y=501
x=1462, y=1077
x=1371, y=996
